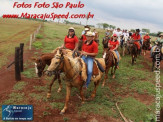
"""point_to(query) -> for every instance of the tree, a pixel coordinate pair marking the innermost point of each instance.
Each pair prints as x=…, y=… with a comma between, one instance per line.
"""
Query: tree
x=105, y=25
x=145, y=30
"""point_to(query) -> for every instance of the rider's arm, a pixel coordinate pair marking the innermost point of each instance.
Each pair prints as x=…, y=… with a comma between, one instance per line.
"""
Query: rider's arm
x=116, y=47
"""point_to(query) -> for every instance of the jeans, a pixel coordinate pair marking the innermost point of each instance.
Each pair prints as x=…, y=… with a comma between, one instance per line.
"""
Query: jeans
x=89, y=62
x=118, y=56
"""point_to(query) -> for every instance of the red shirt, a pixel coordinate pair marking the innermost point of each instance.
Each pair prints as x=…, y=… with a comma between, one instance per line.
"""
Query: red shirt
x=146, y=37
x=115, y=43
x=136, y=37
x=70, y=42
x=90, y=48
x=84, y=38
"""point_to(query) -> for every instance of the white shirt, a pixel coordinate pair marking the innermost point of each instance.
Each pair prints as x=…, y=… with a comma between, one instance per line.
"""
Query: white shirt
x=118, y=34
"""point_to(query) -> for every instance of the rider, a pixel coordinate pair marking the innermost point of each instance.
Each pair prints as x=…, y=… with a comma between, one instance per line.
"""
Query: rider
x=136, y=38
x=146, y=37
x=71, y=40
x=113, y=45
x=83, y=39
x=89, y=51
x=159, y=40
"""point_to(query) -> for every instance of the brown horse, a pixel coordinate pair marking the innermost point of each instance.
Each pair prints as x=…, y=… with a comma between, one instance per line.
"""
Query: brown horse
x=40, y=64
x=111, y=62
x=75, y=73
x=133, y=50
x=45, y=59
x=146, y=46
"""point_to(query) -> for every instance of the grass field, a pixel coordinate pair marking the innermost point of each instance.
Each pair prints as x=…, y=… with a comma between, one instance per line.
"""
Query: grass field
x=13, y=32
x=133, y=88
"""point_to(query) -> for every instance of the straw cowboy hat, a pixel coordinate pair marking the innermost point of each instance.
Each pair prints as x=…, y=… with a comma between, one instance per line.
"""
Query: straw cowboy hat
x=86, y=29
x=89, y=33
x=71, y=28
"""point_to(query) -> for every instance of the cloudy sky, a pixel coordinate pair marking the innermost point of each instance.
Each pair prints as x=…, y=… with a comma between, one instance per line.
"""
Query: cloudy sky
x=125, y=14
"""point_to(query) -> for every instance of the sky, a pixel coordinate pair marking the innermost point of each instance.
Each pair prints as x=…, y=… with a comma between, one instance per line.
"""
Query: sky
x=126, y=14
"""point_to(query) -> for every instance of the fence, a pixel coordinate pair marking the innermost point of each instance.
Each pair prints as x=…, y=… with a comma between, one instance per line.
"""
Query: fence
x=33, y=37
x=19, y=51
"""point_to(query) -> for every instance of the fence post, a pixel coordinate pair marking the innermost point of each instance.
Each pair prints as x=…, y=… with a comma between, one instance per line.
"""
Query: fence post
x=30, y=43
x=17, y=68
x=34, y=36
x=21, y=56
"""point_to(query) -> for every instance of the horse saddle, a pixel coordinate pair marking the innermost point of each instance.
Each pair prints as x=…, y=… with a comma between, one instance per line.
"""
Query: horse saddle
x=115, y=55
x=97, y=65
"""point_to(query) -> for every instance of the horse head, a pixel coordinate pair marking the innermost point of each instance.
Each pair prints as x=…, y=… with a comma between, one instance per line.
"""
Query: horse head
x=39, y=66
x=56, y=63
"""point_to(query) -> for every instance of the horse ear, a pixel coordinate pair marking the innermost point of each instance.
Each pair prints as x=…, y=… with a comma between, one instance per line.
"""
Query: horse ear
x=33, y=59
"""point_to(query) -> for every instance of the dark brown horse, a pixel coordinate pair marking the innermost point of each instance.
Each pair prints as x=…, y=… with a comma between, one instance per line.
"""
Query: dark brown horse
x=110, y=62
x=40, y=64
x=133, y=50
x=146, y=46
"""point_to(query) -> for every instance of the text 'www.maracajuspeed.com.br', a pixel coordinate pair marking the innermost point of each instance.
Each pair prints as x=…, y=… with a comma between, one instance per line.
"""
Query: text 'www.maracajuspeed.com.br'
x=49, y=16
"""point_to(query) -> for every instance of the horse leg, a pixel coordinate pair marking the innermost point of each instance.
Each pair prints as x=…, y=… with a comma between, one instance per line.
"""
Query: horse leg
x=132, y=59
x=94, y=91
x=114, y=72
x=49, y=92
x=68, y=92
x=106, y=76
x=82, y=94
x=60, y=85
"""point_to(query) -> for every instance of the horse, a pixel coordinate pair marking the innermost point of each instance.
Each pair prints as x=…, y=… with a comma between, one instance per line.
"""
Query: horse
x=133, y=49
x=146, y=46
x=157, y=56
x=110, y=62
x=75, y=74
x=125, y=46
x=45, y=59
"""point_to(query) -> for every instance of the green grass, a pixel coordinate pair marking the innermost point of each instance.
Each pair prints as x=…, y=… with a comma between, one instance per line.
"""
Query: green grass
x=14, y=98
x=135, y=110
x=35, y=96
x=13, y=32
x=37, y=45
x=57, y=105
x=29, y=73
x=39, y=36
x=19, y=85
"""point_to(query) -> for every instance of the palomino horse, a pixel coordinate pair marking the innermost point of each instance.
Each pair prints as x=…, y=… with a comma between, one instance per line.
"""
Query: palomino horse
x=110, y=62
x=45, y=59
x=146, y=45
x=75, y=73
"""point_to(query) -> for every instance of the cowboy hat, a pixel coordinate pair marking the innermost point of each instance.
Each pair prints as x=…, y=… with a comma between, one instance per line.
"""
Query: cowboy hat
x=71, y=28
x=89, y=33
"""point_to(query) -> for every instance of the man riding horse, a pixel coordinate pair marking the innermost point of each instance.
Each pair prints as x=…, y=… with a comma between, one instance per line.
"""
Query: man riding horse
x=136, y=38
x=146, y=43
x=89, y=52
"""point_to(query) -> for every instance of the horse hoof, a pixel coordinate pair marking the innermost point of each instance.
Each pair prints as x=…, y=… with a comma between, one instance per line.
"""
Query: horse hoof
x=113, y=76
x=59, y=90
x=48, y=95
x=103, y=85
x=62, y=112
